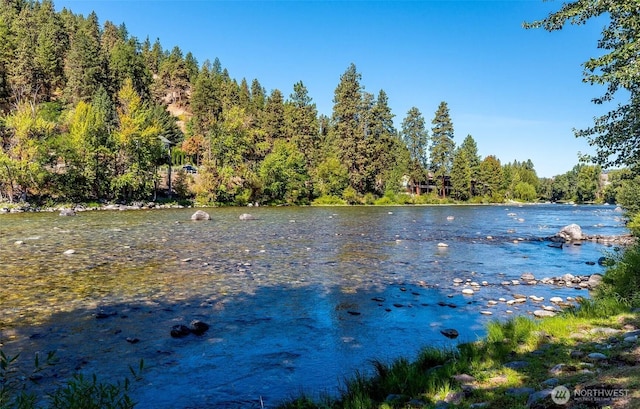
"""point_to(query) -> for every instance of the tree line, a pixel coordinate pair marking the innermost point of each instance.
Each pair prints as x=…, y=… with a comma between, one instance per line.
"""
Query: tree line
x=90, y=113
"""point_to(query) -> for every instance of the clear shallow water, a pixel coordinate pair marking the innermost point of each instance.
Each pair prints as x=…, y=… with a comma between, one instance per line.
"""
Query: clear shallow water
x=288, y=296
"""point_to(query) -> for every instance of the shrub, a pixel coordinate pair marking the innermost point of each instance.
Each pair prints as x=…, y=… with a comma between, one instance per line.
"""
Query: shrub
x=350, y=195
x=328, y=200
x=622, y=280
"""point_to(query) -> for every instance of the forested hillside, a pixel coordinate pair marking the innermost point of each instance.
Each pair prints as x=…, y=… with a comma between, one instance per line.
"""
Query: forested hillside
x=91, y=113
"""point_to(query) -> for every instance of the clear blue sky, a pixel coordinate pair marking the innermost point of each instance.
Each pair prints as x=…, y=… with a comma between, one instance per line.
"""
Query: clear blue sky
x=518, y=92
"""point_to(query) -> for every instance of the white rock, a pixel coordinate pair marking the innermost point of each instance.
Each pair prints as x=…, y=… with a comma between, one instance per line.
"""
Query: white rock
x=69, y=252
x=492, y=302
x=543, y=313
x=485, y=283
x=467, y=291
x=556, y=300
x=200, y=215
x=486, y=313
x=443, y=245
x=458, y=280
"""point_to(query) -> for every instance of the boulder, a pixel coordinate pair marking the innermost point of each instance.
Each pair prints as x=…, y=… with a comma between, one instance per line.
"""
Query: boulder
x=594, y=280
x=572, y=232
x=200, y=215
x=527, y=277
x=67, y=212
x=596, y=356
x=198, y=327
x=605, y=261
x=543, y=313
x=246, y=216
x=538, y=396
x=450, y=333
x=180, y=331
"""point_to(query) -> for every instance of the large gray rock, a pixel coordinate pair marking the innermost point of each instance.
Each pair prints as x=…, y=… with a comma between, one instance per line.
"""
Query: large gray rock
x=543, y=313
x=572, y=232
x=67, y=212
x=246, y=216
x=537, y=396
x=594, y=280
x=200, y=215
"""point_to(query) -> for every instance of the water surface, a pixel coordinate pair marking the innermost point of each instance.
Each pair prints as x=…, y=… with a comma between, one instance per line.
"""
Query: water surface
x=288, y=295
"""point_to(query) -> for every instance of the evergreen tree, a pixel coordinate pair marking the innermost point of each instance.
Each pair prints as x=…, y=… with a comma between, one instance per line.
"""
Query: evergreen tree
x=347, y=127
x=273, y=124
x=490, y=178
x=258, y=96
x=470, y=148
x=442, y=146
x=84, y=65
x=382, y=137
x=461, y=175
x=303, y=123
x=416, y=138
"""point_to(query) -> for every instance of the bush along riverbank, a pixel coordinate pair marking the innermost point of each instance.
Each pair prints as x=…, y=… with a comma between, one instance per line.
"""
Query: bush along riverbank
x=586, y=357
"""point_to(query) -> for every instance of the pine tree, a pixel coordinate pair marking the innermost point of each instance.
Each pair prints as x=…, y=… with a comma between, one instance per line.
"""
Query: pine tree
x=461, y=175
x=442, y=146
x=347, y=127
x=85, y=67
x=302, y=123
x=470, y=148
x=416, y=138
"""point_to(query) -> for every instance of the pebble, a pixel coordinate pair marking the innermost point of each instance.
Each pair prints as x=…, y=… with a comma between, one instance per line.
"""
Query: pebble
x=467, y=291
x=486, y=313
x=69, y=252
x=443, y=245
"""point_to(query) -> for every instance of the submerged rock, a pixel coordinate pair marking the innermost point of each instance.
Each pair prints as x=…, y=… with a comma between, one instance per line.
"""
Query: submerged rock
x=246, y=216
x=198, y=327
x=180, y=331
x=200, y=215
x=450, y=333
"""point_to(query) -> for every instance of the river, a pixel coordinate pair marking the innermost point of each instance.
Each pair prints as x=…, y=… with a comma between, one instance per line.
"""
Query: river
x=288, y=296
